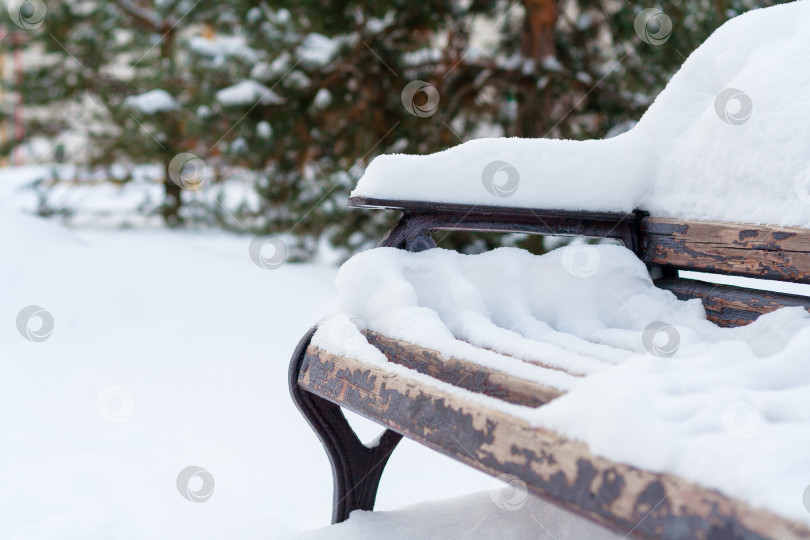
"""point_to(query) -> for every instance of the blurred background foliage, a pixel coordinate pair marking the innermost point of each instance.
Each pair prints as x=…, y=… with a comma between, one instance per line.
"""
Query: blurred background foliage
x=291, y=100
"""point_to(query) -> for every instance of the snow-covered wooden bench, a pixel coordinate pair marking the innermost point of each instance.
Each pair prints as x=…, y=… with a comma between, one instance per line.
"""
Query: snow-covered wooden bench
x=442, y=413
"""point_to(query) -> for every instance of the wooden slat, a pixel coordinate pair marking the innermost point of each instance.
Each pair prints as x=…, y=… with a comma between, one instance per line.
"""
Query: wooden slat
x=627, y=499
x=463, y=373
x=727, y=305
x=728, y=248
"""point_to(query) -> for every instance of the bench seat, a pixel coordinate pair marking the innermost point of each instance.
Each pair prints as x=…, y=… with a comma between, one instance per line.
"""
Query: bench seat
x=477, y=414
x=447, y=416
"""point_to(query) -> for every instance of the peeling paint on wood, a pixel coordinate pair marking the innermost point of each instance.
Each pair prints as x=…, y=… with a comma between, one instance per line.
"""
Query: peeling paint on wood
x=627, y=499
x=726, y=305
x=728, y=248
x=463, y=373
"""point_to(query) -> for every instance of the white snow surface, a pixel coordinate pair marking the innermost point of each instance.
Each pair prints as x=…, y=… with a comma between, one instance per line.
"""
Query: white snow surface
x=715, y=411
x=171, y=349
x=153, y=101
x=318, y=49
x=219, y=48
x=699, y=152
x=248, y=92
x=502, y=513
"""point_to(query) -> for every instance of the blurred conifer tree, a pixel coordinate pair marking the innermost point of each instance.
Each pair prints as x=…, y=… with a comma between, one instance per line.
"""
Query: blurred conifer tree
x=327, y=81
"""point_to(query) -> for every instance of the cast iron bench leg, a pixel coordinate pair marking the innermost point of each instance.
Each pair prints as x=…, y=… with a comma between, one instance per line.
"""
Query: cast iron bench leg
x=356, y=468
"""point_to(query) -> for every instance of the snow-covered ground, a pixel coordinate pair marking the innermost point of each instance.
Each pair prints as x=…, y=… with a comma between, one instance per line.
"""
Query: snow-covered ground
x=170, y=350
x=144, y=390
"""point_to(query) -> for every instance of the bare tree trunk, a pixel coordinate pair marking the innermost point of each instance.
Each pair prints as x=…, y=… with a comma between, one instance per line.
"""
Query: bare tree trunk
x=172, y=190
x=538, y=30
x=537, y=45
x=147, y=20
x=170, y=210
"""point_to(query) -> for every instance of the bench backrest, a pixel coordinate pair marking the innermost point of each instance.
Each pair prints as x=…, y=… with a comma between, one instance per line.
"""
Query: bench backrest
x=759, y=251
x=666, y=245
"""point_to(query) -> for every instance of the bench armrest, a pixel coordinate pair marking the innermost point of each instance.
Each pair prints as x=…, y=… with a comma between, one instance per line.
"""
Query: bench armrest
x=420, y=219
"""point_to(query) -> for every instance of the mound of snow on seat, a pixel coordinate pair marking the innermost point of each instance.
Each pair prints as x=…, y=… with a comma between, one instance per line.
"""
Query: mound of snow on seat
x=712, y=405
x=728, y=139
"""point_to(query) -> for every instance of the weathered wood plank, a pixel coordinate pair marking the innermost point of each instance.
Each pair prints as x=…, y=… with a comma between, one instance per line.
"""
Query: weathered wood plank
x=463, y=373
x=727, y=305
x=625, y=498
x=728, y=248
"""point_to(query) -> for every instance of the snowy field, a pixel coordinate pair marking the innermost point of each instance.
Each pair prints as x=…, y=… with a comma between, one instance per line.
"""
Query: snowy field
x=147, y=395
x=169, y=350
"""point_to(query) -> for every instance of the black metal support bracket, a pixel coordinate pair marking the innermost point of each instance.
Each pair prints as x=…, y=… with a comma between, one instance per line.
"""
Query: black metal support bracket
x=420, y=219
x=356, y=468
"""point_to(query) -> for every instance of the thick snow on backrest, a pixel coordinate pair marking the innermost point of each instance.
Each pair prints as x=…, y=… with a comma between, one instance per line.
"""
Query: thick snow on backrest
x=728, y=139
x=748, y=168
